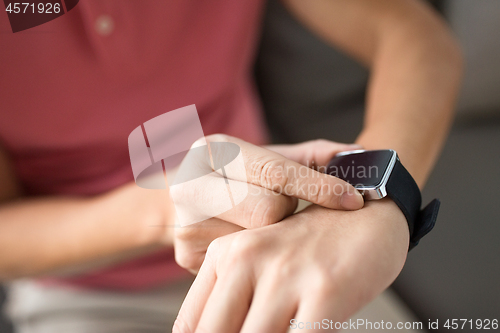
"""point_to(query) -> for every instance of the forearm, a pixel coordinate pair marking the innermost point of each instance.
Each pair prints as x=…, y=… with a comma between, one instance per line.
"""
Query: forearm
x=64, y=235
x=415, y=67
x=414, y=83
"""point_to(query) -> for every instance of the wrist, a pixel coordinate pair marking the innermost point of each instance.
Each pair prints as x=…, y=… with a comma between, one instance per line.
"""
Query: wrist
x=379, y=226
x=153, y=219
x=393, y=225
x=143, y=215
x=389, y=208
x=157, y=215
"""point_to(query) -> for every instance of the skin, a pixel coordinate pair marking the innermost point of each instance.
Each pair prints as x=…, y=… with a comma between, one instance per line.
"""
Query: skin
x=319, y=263
x=94, y=232
x=323, y=263
x=130, y=221
x=272, y=193
x=344, y=259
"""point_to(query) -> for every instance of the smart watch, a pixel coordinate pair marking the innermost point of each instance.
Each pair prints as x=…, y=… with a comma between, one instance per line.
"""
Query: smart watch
x=379, y=173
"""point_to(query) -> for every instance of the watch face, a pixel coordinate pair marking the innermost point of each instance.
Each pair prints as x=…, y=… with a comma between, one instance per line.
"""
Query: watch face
x=361, y=169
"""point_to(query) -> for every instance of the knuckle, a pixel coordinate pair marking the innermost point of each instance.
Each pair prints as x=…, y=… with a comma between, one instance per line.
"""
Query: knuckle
x=284, y=268
x=317, y=146
x=314, y=195
x=187, y=234
x=244, y=246
x=269, y=213
x=213, y=248
x=270, y=174
x=188, y=260
x=324, y=283
x=318, y=192
x=265, y=212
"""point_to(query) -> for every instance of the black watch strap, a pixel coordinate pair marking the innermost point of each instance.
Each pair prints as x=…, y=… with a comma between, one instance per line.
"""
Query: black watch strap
x=403, y=190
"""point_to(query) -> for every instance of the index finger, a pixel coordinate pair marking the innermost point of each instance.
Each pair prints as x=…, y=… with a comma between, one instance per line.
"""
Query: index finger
x=273, y=171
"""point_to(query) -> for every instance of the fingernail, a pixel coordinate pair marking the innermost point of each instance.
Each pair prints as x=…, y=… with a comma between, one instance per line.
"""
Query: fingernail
x=352, y=200
x=355, y=146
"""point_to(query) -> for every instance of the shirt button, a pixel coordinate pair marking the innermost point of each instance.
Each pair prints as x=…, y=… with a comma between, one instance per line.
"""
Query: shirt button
x=104, y=25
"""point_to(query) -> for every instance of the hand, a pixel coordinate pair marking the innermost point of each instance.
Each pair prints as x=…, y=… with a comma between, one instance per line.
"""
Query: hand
x=268, y=173
x=314, y=265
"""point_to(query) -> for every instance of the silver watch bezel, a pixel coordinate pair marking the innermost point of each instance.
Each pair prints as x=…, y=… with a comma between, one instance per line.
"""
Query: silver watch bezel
x=378, y=191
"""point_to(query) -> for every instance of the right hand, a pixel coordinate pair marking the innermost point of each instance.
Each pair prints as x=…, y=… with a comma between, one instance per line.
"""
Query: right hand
x=268, y=172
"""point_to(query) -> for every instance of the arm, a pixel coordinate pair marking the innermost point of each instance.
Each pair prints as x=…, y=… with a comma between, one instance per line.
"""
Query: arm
x=415, y=67
x=63, y=234
x=322, y=263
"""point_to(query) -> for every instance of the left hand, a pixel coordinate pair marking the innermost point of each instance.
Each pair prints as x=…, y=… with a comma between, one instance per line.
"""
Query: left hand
x=263, y=206
x=314, y=265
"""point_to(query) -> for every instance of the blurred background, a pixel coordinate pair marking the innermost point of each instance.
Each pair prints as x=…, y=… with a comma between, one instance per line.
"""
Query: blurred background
x=310, y=90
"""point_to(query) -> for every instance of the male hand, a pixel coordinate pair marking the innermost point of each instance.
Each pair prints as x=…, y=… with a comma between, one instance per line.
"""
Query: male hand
x=317, y=264
x=275, y=182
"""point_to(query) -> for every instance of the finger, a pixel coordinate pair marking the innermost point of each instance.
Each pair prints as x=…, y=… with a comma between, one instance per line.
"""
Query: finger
x=228, y=303
x=202, y=199
x=191, y=242
x=261, y=207
x=272, y=308
x=273, y=171
x=317, y=314
x=196, y=298
x=315, y=153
